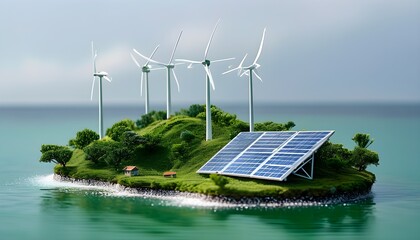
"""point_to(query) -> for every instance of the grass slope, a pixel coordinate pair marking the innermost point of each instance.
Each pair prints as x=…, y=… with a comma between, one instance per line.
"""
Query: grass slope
x=153, y=163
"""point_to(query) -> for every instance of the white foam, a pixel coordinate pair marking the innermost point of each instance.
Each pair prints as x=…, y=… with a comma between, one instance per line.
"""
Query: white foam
x=115, y=190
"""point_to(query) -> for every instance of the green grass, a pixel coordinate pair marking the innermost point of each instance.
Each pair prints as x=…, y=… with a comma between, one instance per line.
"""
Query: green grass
x=152, y=164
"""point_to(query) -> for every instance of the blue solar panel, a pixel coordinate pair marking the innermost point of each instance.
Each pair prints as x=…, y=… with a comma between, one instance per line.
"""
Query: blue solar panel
x=267, y=155
x=229, y=152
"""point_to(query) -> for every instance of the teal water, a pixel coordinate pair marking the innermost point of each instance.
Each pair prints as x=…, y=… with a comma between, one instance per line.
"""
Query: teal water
x=34, y=206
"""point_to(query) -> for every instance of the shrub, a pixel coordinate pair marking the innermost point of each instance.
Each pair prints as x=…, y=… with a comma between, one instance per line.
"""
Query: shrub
x=179, y=151
x=219, y=180
x=187, y=136
x=331, y=155
x=193, y=110
x=119, y=128
x=272, y=126
x=149, y=118
x=84, y=138
x=130, y=139
x=107, y=152
x=237, y=127
x=152, y=142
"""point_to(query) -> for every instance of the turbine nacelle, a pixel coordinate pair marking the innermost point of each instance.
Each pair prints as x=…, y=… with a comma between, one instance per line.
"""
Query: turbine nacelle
x=100, y=74
x=206, y=62
x=145, y=69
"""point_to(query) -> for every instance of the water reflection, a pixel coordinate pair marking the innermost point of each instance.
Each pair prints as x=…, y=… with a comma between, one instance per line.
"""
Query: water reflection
x=157, y=217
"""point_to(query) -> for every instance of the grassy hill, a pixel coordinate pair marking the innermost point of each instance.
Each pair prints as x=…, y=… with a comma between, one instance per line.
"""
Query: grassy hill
x=167, y=151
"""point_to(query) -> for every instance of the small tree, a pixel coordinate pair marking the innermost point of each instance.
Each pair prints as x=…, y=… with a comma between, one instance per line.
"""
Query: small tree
x=219, y=180
x=362, y=140
x=119, y=128
x=363, y=157
x=56, y=154
x=84, y=138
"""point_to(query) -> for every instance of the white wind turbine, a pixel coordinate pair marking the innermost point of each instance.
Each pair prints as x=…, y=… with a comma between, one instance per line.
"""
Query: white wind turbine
x=101, y=75
x=145, y=75
x=249, y=70
x=209, y=80
x=169, y=68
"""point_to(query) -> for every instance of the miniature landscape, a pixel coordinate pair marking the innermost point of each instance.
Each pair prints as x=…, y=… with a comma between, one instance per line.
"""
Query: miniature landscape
x=178, y=145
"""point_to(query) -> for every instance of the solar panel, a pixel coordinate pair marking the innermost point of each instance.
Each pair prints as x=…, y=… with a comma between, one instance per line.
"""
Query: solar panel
x=266, y=155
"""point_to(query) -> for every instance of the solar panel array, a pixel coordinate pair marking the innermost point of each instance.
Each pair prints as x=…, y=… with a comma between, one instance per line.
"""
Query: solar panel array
x=265, y=155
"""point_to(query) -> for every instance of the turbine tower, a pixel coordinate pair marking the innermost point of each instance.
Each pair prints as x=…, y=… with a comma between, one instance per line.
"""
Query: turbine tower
x=209, y=80
x=145, y=69
x=101, y=75
x=249, y=70
x=169, y=68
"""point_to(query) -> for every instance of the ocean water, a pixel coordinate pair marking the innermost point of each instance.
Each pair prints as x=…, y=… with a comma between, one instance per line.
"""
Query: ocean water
x=35, y=206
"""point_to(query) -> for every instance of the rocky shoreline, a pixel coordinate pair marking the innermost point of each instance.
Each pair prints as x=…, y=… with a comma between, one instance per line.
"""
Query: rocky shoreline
x=225, y=201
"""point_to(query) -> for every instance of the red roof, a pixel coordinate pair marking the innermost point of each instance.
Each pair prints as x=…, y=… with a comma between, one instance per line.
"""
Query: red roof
x=169, y=173
x=130, y=168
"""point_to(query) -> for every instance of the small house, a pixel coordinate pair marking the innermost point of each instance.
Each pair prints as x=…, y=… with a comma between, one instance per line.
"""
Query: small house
x=169, y=174
x=131, y=171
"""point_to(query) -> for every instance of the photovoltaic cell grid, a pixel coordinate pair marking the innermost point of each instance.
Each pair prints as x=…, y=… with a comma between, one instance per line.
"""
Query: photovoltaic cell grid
x=267, y=155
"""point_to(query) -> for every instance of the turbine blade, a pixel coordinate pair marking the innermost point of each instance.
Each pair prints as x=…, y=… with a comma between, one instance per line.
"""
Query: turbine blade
x=160, y=68
x=141, y=84
x=231, y=70
x=245, y=73
x=187, y=61
x=91, y=91
x=176, y=79
x=151, y=55
x=261, y=45
x=135, y=61
x=148, y=59
x=256, y=74
x=176, y=45
x=222, y=60
x=107, y=78
x=211, y=38
x=243, y=60
x=210, y=77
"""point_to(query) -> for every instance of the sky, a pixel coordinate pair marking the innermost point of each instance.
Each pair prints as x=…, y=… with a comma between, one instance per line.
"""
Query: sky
x=315, y=51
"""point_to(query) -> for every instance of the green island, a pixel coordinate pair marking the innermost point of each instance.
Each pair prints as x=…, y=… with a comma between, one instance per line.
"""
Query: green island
x=156, y=145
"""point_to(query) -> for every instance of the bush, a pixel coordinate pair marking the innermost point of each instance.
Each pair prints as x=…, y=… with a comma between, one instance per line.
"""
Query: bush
x=363, y=157
x=179, y=151
x=84, y=138
x=152, y=142
x=107, y=152
x=237, y=127
x=222, y=118
x=149, y=118
x=332, y=155
x=131, y=140
x=219, y=180
x=119, y=128
x=272, y=126
x=193, y=110
x=187, y=136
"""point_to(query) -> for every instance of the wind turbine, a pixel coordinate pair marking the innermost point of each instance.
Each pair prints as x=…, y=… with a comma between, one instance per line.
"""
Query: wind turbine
x=249, y=70
x=101, y=75
x=169, y=68
x=209, y=80
x=145, y=75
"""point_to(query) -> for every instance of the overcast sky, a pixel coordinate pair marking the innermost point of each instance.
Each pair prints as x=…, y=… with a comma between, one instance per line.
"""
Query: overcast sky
x=315, y=50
